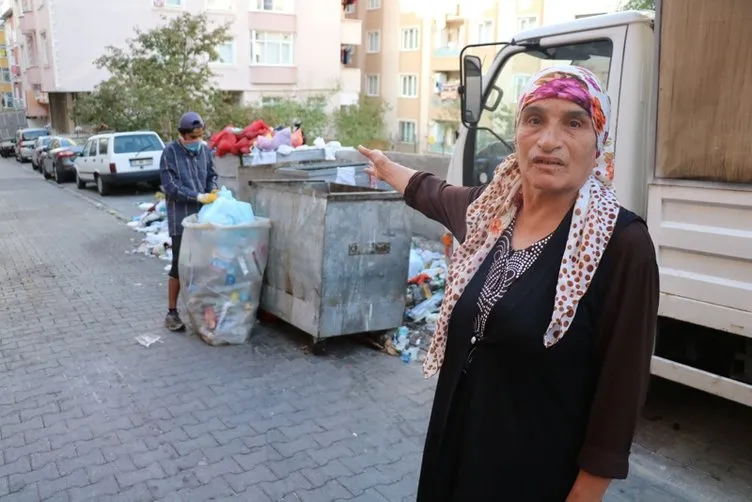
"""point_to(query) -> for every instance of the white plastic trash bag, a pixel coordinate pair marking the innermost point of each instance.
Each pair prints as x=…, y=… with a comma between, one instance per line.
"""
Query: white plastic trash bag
x=221, y=274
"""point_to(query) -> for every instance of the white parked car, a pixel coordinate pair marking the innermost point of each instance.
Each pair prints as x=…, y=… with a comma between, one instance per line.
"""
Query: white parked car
x=120, y=158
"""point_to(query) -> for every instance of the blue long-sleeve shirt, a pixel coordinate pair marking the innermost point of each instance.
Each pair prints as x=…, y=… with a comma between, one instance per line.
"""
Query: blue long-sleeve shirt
x=185, y=175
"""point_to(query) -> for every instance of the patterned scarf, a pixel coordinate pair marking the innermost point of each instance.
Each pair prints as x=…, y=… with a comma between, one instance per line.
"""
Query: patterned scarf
x=593, y=217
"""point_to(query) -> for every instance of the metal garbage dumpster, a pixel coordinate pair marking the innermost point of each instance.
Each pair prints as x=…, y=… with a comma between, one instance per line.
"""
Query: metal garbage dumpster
x=305, y=164
x=338, y=256
x=330, y=171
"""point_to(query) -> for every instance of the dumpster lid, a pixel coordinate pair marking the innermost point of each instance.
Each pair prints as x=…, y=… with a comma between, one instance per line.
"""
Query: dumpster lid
x=327, y=189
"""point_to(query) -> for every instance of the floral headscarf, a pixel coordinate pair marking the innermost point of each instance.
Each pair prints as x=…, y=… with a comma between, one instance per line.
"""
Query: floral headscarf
x=593, y=217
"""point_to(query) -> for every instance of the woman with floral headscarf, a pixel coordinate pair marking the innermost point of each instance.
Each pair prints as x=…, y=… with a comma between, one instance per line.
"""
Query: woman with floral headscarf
x=545, y=335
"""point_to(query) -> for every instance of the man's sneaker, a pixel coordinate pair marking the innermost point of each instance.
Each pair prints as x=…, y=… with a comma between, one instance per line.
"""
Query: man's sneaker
x=173, y=322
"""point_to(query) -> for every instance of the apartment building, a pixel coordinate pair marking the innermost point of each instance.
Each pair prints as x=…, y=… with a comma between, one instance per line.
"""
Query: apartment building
x=410, y=56
x=289, y=48
x=6, y=87
x=10, y=80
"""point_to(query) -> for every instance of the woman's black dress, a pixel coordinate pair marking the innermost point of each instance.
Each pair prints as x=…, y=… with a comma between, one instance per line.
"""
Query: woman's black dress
x=514, y=421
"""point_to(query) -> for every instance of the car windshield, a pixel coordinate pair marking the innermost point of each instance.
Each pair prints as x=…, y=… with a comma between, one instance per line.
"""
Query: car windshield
x=67, y=142
x=44, y=141
x=29, y=135
x=134, y=143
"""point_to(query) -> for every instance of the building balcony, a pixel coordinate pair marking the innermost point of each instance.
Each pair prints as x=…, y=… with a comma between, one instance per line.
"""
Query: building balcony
x=273, y=21
x=351, y=32
x=34, y=108
x=273, y=75
x=446, y=59
x=351, y=79
x=28, y=23
x=33, y=75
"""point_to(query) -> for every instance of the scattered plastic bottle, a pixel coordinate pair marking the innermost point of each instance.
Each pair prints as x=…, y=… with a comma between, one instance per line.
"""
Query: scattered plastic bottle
x=409, y=355
x=401, y=338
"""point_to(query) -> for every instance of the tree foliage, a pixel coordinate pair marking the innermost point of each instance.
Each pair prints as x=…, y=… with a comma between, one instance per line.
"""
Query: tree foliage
x=160, y=74
x=362, y=123
x=638, y=5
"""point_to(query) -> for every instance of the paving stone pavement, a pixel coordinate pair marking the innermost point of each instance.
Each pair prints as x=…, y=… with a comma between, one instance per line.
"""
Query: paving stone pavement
x=88, y=414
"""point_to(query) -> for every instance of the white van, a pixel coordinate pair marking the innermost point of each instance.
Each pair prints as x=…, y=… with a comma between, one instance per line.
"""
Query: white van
x=120, y=158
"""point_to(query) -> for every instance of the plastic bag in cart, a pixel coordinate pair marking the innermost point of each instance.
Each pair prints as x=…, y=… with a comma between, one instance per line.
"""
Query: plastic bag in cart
x=221, y=272
x=226, y=211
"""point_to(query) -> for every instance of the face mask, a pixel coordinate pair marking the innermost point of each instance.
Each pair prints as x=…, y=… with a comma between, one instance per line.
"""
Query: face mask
x=193, y=147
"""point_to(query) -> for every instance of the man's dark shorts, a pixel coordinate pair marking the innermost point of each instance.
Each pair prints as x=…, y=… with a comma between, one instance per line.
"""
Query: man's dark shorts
x=176, y=240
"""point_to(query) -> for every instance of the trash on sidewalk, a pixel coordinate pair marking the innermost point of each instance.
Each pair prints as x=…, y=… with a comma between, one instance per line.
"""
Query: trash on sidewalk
x=153, y=224
x=148, y=340
x=222, y=269
x=423, y=297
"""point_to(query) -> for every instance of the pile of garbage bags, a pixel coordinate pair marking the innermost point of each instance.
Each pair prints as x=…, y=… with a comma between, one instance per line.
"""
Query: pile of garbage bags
x=241, y=141
x=223, y=256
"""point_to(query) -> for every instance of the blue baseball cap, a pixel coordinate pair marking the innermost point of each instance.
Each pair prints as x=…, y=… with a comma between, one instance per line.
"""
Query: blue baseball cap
x=190, y=121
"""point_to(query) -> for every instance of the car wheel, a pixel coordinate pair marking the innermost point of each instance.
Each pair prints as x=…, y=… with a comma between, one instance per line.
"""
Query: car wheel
x=58, y=176
x=102, y=187
x=80, y=184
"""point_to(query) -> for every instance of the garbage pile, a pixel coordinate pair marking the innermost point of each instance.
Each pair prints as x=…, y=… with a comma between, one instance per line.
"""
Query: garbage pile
x=153, y=224
x=262, y=143
x=423, y=296
x=223, y=256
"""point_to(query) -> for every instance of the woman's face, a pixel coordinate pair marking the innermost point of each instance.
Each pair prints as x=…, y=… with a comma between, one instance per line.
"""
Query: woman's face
x=556, y=145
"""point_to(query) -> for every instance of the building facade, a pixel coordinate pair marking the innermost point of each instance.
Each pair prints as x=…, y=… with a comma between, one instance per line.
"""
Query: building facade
x=278, y=48
x=10, y=81
x=410, y=56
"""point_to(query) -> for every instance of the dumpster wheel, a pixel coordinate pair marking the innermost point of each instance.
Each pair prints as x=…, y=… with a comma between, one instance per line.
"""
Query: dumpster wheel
x=319, y=348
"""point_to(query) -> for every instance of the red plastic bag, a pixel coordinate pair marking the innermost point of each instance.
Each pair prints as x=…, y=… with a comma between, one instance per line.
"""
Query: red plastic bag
x=226, y=145
x=255, y=129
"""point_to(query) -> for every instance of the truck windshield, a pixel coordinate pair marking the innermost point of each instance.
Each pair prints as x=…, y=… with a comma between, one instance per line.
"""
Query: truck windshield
x=507, y=85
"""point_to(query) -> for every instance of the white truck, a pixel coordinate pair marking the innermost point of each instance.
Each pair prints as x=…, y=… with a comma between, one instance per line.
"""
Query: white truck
x=682, y=121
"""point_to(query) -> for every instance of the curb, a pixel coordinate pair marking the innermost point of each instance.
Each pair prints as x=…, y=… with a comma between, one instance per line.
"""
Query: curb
x=75, y=193
x=92, y=202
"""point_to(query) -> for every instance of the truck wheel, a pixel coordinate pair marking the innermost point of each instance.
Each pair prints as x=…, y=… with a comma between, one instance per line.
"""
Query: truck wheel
x=80, y=184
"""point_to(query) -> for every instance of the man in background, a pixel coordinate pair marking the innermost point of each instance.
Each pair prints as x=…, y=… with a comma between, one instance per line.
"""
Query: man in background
x=189, y=180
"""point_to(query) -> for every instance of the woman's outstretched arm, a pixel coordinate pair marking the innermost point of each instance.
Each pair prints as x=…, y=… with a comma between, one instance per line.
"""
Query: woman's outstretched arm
x=424, y=192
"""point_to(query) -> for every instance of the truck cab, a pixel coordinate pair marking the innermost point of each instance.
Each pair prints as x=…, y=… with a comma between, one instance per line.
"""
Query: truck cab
x=702, y=228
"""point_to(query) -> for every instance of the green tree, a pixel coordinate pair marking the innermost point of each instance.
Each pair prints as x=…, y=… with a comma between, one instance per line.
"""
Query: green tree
x=362, y=123
x=158, y=76
x=638, y=5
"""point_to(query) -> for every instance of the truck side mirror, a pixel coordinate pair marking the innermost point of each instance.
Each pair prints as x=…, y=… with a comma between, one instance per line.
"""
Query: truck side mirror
x=472, y=90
